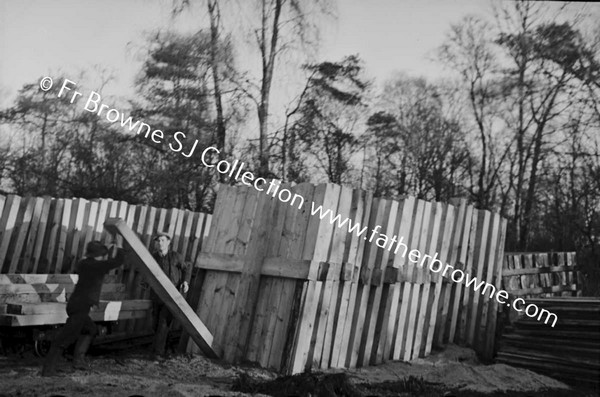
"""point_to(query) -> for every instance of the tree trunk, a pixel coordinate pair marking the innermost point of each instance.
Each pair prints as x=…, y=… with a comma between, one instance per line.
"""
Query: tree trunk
x=268, y=66
x=214, y=14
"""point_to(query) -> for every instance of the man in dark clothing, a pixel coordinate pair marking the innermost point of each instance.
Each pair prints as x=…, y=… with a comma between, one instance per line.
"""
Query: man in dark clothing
x=79, y=326
x=174, y=267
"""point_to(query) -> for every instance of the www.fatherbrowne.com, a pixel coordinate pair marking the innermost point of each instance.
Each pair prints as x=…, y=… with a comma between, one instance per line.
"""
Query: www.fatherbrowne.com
x=234, y=170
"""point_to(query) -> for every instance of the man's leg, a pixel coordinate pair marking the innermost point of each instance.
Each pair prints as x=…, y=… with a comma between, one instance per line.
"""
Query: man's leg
x=67, y=335
x=161, y=331
x=84, y=341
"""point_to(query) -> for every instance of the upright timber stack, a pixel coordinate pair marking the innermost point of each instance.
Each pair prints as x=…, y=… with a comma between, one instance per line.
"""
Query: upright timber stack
x=288, y=290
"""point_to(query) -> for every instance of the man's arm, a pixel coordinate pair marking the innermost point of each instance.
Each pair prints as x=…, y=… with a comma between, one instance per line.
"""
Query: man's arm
x=115, y=262
x=183, y=269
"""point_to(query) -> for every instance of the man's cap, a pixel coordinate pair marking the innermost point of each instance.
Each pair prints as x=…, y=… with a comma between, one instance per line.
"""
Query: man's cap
x=96, y=248
x=162, y=234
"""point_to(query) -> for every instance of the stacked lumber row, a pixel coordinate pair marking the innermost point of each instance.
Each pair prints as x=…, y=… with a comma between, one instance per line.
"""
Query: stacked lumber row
x=35, y=314
x=48, y=235
x=290, y=291
x=541, y=274
x=40, y=299
x=37, y=288
x=569, y=351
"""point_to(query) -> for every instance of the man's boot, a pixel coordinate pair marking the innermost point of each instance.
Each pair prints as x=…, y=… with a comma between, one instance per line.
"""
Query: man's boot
x=49, y=368
x=81, y=347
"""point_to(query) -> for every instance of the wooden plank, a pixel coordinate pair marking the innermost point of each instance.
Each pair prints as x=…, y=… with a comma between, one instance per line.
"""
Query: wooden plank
x=103, y=205
x=8, y=289
x=203, y=287
x=269, y=298
x=23, y=223
x=329, y=303
x=127, y=270
x=537, y=270
x=543, y=290
x=7, y=225
x=560, y=262
x=58, y=307
x=16, y=320
x=492, y=251
x=42, y=237
x=293, y=237
x=459, y=253
x=89, y=224
x=222, y=262
x=359, y=214
x=38, y=278
x=178, y=231
x=62, y=236
x=75, y=218
x=238, y=227
x=32, y=237
x=2, y=202
x=488, y=348
x=448, y=226
x=528, y=282
x=316, y=248
x=472, y=229
x=272, y=288
x=186, y=235
x=50, y=242
x=58, y=295
x=165, y=288
x=246, y=295
x=419, y=240
x=574, y=301
x=171, y=220
x=480, y=263
x=426, y=299
x=146, y=238
x=197, y=236
x=80, y=213
x=374, y=320
x=385, y=349
x=361, y=316
x=122, y=207
x=214, y=283
x=407, y=272
x=546, y=279
x=134, y=278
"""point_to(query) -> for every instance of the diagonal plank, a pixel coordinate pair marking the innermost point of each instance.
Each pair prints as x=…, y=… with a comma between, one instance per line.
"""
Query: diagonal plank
x=165, y=289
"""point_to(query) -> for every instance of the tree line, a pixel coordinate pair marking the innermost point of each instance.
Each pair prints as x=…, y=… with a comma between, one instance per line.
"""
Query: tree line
x=514, y=127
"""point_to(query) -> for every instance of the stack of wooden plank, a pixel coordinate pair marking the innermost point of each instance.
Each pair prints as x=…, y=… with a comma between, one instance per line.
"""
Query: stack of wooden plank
x=35, y=288
x=40, y=299
x=541, y=274
x=51, y=313
x=294, y=292
x=569, y=351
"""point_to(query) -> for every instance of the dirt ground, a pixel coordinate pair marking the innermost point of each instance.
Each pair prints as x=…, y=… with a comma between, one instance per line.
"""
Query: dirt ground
x=453, y=372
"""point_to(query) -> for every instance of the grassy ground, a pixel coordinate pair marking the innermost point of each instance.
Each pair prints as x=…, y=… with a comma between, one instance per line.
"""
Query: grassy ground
x=130, y=373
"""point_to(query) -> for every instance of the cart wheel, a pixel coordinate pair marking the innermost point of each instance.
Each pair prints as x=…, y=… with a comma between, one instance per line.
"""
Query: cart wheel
x=41, y=347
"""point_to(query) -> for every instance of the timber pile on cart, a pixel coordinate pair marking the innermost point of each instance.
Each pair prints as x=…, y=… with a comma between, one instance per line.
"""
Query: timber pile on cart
x=32, y=306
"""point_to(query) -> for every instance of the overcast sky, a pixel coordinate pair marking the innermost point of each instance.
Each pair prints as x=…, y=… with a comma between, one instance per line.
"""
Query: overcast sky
x=40, y=37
